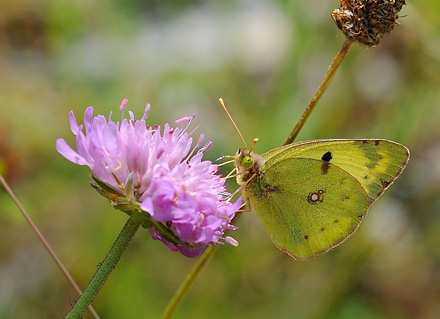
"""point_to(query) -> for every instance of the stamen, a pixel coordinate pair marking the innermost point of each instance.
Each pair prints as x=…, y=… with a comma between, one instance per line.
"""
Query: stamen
x=122, y=108
x=131, y=116
x=184, y=119
x=206, y=147
x=231, y=241
x=195, y=129
x=123, y=104
x=187, y=119
x=199, y=142
x=147, y=110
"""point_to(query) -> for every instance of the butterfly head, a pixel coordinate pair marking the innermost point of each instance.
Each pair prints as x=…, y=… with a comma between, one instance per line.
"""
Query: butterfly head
x=247, y=164
x=244, y=159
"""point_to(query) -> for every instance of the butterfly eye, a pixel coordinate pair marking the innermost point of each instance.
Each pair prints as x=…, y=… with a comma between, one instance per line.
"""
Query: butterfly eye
x=247, y=162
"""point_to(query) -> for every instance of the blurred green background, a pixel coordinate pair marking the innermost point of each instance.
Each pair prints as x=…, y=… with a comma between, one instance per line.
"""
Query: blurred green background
x=266, y=59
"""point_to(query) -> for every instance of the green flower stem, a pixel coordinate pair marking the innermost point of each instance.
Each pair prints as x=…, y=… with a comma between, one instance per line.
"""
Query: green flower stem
x=322, y=88
x=186, y=285
x=109, y=263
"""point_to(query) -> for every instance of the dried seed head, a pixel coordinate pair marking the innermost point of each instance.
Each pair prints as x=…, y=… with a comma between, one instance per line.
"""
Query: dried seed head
x=367, y=21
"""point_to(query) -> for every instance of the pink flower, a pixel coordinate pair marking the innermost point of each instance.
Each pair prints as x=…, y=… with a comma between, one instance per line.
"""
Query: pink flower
x=157, y=171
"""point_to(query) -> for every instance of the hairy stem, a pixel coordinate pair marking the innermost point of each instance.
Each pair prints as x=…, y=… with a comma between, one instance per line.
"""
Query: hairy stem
x=109, y=263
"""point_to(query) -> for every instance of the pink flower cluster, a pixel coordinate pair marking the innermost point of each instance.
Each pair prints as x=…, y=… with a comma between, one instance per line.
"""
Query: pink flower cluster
x=170, y=180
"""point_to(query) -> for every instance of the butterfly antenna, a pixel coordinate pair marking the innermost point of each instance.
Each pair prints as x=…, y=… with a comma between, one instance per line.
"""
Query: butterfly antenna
x=253, y=145
x=222, y=103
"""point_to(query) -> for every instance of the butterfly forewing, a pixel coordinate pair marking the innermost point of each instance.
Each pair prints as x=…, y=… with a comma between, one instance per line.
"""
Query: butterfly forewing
x=307, y=206
x=374, y=163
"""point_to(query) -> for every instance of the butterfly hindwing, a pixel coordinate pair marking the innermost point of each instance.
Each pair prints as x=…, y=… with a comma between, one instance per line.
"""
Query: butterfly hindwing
x=307, y=206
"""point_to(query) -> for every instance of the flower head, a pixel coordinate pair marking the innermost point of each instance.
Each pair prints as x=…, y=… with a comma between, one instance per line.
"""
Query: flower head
x=367, y=21
x=156, y=171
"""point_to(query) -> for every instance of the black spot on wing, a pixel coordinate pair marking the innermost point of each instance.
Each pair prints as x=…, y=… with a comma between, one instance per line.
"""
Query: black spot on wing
x=327, y=156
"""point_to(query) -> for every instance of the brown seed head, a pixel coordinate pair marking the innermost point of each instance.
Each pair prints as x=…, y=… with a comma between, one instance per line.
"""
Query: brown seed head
x=367, y=21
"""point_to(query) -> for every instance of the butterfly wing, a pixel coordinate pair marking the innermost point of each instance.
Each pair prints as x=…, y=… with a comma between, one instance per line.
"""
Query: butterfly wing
x=374, y=163
x=307, y=206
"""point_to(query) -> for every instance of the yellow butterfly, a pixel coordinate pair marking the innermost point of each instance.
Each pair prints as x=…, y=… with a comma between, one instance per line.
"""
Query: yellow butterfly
x=311, y=196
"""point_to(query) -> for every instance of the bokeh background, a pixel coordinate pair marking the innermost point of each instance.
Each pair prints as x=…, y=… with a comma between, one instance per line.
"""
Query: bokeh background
x=266, y=59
